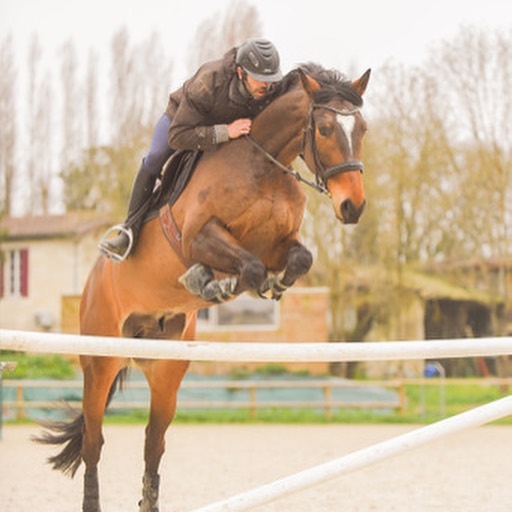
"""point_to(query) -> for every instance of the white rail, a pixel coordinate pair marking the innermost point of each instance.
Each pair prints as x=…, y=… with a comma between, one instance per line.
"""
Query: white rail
x=53, y=343
x=362, y=458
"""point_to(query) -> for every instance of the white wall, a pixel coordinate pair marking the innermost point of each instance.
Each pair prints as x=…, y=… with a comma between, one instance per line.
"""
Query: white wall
x=56, y=267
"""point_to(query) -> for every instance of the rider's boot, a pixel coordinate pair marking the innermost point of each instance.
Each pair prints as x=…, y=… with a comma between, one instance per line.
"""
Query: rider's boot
x=120, y=246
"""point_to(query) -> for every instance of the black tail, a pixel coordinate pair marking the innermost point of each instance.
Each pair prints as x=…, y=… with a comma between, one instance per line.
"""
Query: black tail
x=70, y=434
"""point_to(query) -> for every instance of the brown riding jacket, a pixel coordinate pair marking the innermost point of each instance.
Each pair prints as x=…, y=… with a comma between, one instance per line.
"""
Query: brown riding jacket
x=202, y=108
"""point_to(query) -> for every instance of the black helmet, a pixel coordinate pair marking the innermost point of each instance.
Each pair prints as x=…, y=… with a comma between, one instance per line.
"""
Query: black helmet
x=260, y=59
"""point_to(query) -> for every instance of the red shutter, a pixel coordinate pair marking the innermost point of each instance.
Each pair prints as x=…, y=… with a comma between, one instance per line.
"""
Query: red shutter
x=24, y=272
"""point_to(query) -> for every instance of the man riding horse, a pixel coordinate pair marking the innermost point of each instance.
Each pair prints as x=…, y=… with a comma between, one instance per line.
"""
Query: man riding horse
x=215, y=105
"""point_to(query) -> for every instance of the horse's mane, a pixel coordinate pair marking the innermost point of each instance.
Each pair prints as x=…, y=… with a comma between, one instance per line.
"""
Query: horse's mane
x=333, y=84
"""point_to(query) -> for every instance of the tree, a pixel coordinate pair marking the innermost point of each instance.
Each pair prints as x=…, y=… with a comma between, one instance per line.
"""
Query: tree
x=41, y=142
x=213, y=37
x=478, y=66
x=8, y=133
x=101, y=178
x=72, y=115
x=91, y=100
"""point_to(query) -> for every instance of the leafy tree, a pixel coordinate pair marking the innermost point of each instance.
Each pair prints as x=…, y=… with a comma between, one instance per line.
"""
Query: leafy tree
x=477, y=66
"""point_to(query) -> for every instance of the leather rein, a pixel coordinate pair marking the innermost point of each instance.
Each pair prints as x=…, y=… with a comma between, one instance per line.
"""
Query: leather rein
x=321, y=174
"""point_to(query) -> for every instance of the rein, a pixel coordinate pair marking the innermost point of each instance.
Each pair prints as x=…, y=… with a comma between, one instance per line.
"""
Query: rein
x=321, y=174
x=289, y=170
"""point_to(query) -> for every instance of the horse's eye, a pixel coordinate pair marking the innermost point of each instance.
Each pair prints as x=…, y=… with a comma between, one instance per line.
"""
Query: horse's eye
x=325, y=130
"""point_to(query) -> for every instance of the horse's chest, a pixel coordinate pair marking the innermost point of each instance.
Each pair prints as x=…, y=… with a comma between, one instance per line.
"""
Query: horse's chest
x=267, y=221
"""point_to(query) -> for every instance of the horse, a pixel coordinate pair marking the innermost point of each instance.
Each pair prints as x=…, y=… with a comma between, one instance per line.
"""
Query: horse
x=237, y=223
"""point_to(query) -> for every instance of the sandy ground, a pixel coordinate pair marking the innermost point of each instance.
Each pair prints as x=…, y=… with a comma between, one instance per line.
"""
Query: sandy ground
x=471, y=471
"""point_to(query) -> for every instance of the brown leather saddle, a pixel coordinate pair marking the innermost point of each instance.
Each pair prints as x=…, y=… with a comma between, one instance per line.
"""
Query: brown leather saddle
x=175, y=175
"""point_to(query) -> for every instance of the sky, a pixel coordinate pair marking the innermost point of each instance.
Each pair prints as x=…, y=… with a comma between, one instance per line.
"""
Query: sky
x=355, y=35
x=350, y=36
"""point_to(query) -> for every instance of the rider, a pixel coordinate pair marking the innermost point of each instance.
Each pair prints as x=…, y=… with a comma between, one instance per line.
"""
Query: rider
x=215, y=105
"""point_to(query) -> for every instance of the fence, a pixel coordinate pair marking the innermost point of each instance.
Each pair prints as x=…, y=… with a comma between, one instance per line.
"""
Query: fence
x=327, y=403
x=281, y=352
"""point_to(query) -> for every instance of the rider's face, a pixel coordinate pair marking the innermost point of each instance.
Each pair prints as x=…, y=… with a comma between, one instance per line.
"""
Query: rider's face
x=256, y=88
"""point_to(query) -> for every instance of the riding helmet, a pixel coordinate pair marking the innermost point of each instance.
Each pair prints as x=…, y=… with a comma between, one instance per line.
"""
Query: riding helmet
x=260, y=59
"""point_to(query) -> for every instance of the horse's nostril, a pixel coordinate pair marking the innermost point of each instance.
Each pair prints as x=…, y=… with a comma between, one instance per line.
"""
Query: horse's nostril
x=349, y=212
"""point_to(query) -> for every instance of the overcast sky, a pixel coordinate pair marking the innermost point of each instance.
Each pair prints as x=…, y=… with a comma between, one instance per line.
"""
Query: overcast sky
x=336, y=33
x=348, y=35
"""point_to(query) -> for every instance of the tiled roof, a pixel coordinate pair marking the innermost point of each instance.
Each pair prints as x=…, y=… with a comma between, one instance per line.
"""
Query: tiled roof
x=50, y=226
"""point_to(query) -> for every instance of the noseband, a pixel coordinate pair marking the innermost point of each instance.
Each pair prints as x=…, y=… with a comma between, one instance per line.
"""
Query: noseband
x=321, y=174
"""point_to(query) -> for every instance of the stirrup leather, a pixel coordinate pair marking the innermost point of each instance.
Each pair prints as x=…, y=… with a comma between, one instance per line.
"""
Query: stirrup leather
x=107, y=252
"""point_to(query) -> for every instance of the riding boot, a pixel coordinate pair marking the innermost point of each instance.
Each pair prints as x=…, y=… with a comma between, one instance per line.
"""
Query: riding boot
x=120, y=246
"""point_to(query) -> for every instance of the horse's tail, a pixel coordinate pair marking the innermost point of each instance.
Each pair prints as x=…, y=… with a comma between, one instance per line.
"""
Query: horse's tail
x=71, y=434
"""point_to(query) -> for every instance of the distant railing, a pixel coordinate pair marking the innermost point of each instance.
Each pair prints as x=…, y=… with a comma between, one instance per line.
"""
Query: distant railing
x=328, y=403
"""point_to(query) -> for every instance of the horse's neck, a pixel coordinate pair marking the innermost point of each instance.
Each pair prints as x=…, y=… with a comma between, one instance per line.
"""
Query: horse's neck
x=278, y=129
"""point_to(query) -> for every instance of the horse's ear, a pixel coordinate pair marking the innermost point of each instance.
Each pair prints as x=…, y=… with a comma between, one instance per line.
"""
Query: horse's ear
x=310, y=84
x=361, y=83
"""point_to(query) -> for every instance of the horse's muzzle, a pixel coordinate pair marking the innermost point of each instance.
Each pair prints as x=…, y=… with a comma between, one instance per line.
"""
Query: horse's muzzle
x=350, y=213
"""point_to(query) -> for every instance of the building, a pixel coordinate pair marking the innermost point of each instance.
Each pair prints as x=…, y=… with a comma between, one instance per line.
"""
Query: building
x=44, y=258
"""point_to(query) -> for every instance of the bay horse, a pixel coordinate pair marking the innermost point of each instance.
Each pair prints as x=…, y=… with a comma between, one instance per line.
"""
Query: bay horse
x=239, y=219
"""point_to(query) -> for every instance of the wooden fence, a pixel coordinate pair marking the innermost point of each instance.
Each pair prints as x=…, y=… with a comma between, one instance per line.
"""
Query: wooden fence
x=328, y=403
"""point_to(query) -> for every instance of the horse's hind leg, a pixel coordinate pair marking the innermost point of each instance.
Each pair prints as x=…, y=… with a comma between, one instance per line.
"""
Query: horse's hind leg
x=99, y=376
x=164, y=379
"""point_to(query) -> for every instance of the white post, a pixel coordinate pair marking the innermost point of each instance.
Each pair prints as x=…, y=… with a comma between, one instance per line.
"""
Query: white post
x=362, y=458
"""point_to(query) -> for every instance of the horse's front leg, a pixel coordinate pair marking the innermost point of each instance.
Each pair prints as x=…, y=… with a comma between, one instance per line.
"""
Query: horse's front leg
x=298, y=263
x=215, y=248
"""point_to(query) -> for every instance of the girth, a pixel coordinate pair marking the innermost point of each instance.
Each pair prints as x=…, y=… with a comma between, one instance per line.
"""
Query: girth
x=172, y=232
x=177, y=173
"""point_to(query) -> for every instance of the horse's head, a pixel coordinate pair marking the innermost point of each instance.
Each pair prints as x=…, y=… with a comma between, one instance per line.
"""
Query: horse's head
x=333, y=139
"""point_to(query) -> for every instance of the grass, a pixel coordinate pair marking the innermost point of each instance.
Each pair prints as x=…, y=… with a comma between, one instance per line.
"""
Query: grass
x=38, y=366
x=424, y=404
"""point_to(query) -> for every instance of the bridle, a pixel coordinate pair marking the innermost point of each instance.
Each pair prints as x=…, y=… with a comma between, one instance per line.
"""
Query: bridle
x=321, y=174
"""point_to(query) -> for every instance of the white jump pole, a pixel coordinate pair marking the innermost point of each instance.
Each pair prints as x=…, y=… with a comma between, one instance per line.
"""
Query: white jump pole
x=257, y=352
x=362, y=458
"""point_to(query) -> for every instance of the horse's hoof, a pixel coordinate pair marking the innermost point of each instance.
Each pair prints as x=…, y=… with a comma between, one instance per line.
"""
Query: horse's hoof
x=143, y=508
x=219, y=291
x=196, y=278
x=272, y=288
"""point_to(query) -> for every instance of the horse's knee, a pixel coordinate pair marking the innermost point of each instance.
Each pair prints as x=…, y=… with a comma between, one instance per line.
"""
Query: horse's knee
x=300, y=260
x=253, y=275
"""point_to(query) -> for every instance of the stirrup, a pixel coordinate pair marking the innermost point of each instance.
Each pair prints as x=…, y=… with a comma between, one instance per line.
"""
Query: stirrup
x=112, y=255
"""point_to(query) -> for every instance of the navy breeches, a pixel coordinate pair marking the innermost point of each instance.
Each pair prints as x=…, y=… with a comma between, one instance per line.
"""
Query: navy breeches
x=159, y=150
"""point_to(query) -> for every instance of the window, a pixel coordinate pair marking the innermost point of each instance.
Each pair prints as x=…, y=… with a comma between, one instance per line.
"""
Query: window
x=244, y=312
x=18, y=273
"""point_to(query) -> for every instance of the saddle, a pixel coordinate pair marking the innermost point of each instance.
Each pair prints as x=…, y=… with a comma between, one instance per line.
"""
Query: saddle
x=175, y=176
